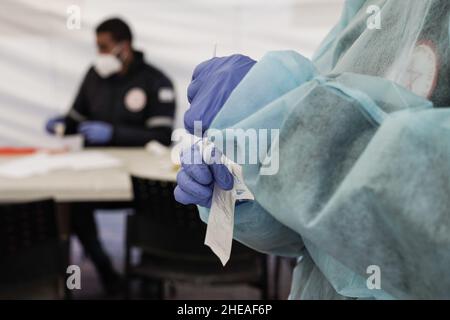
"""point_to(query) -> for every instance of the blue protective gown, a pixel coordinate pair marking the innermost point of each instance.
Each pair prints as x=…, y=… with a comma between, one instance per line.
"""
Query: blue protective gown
x=362, y=178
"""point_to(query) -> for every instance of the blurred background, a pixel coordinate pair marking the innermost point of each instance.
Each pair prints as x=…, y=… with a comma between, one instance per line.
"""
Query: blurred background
x=44, y=54
x=42, y=61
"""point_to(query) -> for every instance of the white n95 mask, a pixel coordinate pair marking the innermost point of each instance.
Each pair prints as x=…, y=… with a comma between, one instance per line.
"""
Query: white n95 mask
x=107, y=64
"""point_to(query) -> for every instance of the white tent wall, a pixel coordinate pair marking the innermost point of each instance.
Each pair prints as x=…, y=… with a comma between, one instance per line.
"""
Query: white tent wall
x=42, y=61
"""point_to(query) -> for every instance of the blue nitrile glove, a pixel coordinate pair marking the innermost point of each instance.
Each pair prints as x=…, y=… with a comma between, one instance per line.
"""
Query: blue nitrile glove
x=51, y=124
x=96, y=132
x=196, y=179
x=212, y=83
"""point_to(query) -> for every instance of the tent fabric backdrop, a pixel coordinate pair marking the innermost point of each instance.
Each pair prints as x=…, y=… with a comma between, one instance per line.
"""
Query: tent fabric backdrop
x=42, y=61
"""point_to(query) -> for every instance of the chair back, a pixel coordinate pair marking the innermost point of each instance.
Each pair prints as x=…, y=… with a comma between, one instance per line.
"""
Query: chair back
x=30, y=247
x=163, y=227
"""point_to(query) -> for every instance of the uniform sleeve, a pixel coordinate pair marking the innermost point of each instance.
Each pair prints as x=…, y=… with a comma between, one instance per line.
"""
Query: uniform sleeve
x=80, y=108
x=160, y=112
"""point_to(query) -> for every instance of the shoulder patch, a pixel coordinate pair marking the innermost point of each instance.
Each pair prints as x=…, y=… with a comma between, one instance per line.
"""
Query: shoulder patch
x=166, y=95
x=135, y=99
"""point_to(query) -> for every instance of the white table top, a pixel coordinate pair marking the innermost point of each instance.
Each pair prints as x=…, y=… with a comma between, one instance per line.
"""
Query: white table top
x=113, y=184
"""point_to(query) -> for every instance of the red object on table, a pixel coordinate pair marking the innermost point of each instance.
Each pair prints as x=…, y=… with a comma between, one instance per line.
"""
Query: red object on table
x=8, y=151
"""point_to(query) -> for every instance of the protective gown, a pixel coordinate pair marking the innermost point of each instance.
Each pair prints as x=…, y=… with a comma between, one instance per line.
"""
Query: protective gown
x=364, y=154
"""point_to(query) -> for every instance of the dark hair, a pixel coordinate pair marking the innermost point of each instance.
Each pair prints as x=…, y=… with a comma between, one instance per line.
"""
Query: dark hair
x=118, y=28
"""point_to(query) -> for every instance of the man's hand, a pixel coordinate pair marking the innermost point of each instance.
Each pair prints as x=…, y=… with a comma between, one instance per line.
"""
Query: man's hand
x=52, y=124
x=96, y=132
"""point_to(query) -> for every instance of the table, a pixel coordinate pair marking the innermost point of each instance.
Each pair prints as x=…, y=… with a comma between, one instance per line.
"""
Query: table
x=109, y=188
x=104, y=185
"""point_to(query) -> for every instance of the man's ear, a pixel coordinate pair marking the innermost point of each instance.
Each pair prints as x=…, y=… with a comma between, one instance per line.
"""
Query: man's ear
x=127, y=45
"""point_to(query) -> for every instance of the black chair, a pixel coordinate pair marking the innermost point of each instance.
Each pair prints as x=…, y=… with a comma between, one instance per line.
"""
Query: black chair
x=31, y=253
x=171, y=238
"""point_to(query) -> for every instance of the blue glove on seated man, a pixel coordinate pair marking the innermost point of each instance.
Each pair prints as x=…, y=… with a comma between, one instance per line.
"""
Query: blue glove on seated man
x=50, y=127
x=96, y=132
x=197, y=178
x=212, y=83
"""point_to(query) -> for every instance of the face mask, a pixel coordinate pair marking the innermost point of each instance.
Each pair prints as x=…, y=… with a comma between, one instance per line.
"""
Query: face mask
x=107, y=64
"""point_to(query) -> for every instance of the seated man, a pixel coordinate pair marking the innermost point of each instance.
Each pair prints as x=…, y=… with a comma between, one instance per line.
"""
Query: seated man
x=123, y=101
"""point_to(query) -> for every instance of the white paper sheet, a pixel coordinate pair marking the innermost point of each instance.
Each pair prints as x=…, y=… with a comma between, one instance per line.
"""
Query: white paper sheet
x=43, y=163
x=219, y=233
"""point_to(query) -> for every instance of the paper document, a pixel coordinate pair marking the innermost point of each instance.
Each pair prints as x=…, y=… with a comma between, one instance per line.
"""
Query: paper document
x=73, y=143
x=219, y=232
x=43, y=163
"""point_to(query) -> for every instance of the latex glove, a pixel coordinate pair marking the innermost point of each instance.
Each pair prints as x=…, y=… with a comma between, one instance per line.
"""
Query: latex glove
x=96, y=132
x=212, y=83
x=50, y=127
x=196, y=179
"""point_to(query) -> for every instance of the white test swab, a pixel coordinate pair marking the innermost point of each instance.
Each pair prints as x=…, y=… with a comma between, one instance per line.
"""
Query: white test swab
x=215, y=50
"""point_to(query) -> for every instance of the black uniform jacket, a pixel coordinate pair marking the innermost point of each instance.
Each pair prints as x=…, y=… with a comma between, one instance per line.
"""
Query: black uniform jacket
x=139, y=104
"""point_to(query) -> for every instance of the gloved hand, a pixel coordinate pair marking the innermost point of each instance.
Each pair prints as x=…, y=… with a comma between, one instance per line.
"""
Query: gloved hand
x=196, y=179
x=96, y=132
x=212, y=83
x=52, y=123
